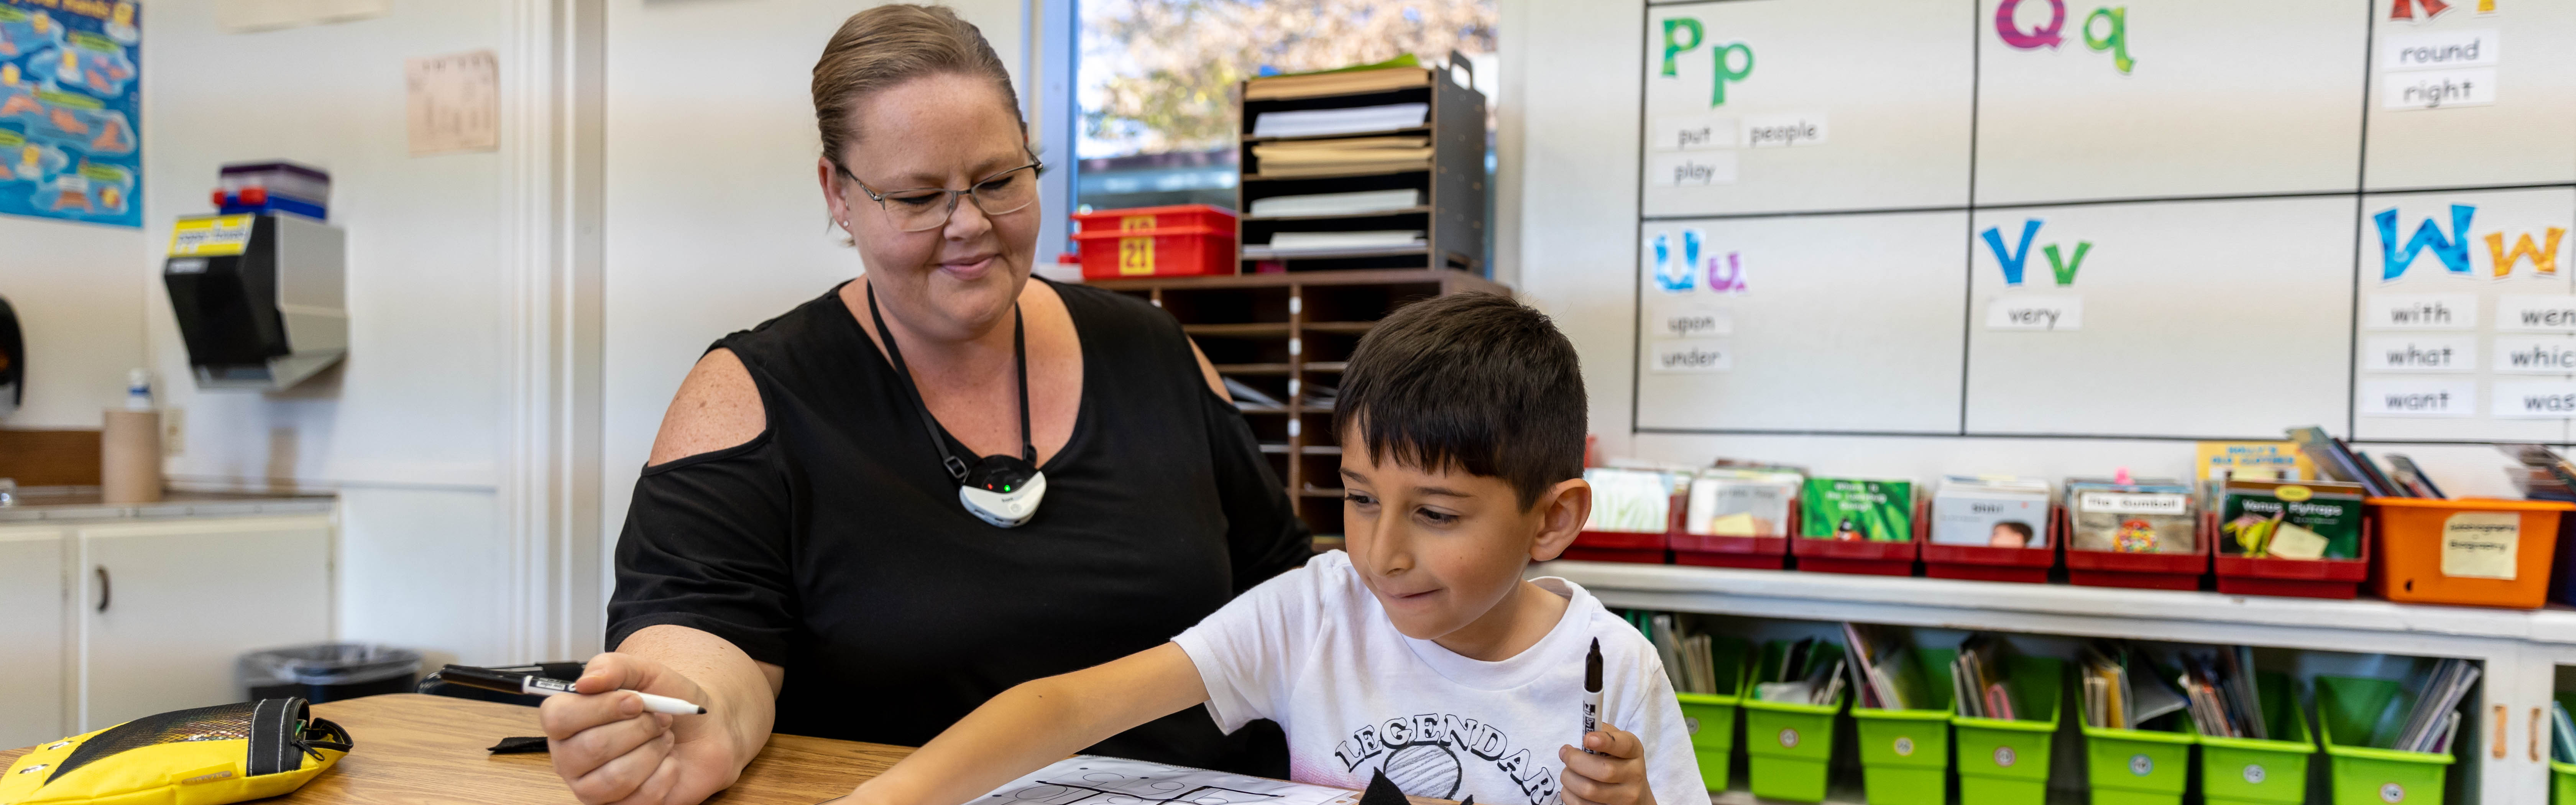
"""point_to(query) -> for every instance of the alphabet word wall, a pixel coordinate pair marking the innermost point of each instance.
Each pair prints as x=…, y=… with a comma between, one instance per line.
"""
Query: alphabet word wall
x=2112, y=218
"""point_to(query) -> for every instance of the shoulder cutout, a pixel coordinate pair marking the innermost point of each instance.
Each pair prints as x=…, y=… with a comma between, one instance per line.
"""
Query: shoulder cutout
x=1215, y=382
x=717, y=407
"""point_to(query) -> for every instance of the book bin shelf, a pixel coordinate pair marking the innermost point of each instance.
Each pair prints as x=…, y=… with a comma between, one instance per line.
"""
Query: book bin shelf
x=1287, y=336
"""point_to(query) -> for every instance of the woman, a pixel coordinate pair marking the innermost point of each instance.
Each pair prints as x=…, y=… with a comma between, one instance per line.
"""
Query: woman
x=799, y=556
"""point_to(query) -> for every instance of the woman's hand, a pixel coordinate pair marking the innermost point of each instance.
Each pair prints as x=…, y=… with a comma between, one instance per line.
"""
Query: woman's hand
x=1616, y=776
x=610, y=751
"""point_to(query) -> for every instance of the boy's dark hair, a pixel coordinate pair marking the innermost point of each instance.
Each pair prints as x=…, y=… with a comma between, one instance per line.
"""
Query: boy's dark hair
x=2018, y=527
x=1470, y=380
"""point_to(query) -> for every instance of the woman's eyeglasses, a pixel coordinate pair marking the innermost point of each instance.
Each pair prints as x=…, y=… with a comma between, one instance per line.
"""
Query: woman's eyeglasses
x=929, y=208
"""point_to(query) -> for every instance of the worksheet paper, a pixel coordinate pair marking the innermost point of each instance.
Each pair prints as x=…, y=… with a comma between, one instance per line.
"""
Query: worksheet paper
x=1093, y=780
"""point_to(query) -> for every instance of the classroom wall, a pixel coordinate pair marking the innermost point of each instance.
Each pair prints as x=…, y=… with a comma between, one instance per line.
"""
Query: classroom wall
x=715, y=222
x=406, y=428
x=80, y=308
x=1578, y=254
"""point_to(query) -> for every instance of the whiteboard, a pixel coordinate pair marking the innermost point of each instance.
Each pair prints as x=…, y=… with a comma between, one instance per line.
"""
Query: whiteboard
x=1890, y=176
x=1884, y=86
x=2265, y=352
x=1804, y=343
x=2522, y=138
x=2496, y=317
x=2221, y=97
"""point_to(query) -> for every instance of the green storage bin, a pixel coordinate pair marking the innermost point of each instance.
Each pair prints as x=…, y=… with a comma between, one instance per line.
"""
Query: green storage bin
x=2138, y=767
x=1710, y=718
x=1789, y=745
x=2006, y=762
x=2245, y=771
x=2348, y=709
x=2562, y=782
x=2562, y=776
x=1905, y=754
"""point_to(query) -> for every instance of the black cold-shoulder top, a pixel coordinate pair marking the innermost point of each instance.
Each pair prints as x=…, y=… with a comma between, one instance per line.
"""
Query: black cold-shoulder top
x=833, y=543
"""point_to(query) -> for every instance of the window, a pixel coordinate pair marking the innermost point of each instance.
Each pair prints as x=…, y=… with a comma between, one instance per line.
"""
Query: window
x=1157, y=79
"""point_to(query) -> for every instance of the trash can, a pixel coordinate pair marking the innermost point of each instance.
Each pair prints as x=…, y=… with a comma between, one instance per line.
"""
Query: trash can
x=326, y=672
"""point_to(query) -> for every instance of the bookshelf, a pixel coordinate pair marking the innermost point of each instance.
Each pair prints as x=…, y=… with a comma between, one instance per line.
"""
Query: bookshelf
x=1284, y=335
x=2503, y=746
x=1452, y=213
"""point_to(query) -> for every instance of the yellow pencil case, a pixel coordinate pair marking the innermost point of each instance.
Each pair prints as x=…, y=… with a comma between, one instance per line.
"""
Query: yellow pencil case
x=203, y=756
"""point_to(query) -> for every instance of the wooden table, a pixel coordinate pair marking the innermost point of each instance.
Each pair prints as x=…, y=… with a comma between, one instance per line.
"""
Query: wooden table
x=412, y=748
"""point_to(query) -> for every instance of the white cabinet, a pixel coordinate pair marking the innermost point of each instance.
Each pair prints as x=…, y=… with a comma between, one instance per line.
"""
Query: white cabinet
x=166, y=607
x=34, y=601
x=105, y=620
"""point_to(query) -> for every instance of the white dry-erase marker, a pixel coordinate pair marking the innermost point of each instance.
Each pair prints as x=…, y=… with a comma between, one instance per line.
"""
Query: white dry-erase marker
x=1591, y=693
x=514, y=682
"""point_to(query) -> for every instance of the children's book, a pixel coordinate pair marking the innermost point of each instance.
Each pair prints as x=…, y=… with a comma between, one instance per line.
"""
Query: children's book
x=1852, y=509
x=2276, y=460
x=1741, y=503
x=2143, y=516
x=1630, y=501
x=1991, y=511
x=2253, y=514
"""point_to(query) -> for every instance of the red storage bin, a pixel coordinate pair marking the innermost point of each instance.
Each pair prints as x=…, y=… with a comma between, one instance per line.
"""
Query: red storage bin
x=2298, y=578
x=1750, y=553
x=2149, y=571
x=1981, y=562
x=1178, y=241
x=1859, y=556
x=1629, y=546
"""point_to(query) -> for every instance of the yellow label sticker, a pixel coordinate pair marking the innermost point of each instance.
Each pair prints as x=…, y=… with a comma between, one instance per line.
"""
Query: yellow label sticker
x=1135, y=256
x=2481, y=545
x=2293, y=492
x=211, y=236
x=1135, y=222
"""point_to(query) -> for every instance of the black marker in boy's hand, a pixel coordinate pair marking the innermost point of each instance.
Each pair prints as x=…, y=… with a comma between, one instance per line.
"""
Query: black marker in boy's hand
x=1612, y=768
x=1592, y=692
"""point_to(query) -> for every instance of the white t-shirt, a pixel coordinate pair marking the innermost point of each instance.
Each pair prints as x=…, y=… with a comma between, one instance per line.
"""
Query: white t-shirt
x=1312, y=650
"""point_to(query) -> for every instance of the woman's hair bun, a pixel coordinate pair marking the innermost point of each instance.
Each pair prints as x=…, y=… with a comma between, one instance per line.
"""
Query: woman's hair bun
x=891, y=44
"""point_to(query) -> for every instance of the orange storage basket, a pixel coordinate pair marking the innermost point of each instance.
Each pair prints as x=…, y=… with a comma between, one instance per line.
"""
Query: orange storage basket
x=2414, y=543
x=1184, y=240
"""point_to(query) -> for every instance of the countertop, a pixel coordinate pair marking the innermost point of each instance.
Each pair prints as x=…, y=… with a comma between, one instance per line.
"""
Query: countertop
x=83, y=503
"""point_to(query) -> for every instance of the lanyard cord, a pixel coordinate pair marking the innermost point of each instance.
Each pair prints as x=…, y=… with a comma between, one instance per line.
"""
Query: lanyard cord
x=1019, y=354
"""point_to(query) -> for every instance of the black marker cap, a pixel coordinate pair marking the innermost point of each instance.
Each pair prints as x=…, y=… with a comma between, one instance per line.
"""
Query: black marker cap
x=1592, y=668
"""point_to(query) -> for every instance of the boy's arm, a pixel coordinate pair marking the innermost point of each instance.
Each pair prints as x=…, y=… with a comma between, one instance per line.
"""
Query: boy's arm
x=1036, y=723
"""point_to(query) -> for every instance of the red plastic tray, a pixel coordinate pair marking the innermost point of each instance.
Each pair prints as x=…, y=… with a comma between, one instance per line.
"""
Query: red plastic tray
x=1982, y=563
x=1862, y=556
x=1175, y=241
x=1751, y=553
x=2148, y=571
x=2299, y=578
x=1629, y=546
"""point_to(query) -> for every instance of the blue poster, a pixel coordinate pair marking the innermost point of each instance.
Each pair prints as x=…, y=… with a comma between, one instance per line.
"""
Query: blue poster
x=69, y=147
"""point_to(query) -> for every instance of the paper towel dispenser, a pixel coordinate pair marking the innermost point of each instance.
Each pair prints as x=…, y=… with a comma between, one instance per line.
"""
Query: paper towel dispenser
x=260, y=297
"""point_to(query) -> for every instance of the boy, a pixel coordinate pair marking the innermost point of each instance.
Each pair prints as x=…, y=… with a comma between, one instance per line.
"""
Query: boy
x=1421, y=653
